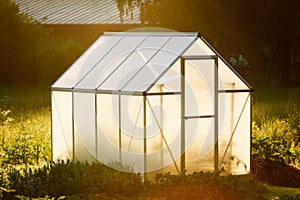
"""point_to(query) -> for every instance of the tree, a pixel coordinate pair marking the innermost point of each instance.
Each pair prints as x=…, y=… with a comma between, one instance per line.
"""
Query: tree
x=265, y=32
x=271, y=28
x=29, y=52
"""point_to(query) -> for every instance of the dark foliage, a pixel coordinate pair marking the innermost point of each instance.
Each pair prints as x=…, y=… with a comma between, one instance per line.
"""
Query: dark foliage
x=29, y=52
x=275, y=173
x=70, y=178
x=265, y=32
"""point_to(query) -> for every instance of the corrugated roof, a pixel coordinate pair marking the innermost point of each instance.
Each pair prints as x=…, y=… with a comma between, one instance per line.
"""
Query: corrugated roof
x=76, y=12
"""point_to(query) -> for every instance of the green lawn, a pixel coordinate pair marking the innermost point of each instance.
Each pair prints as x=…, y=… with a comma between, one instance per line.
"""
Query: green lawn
x=25, y=135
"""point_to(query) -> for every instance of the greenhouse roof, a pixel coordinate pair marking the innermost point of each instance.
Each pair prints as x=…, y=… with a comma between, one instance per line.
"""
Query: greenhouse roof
x=125, y=62
x=133, y=62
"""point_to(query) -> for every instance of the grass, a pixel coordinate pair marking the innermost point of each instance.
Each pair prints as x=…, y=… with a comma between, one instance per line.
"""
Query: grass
x=26, y=135
x=284, y=193
x=26, y=142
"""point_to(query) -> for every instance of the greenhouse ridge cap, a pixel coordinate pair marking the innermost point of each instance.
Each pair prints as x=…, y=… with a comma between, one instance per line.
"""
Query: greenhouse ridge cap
x=137, y=33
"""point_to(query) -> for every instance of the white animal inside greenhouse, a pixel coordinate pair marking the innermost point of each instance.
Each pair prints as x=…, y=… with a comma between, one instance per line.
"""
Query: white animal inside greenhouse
x=154, y=102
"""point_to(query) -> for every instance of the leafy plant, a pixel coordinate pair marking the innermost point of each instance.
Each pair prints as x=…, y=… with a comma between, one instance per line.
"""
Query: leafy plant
x=277, y=140
x=72, y=177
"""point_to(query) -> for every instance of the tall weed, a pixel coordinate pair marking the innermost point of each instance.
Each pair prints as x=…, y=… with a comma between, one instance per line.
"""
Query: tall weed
x=24, y=127
x=276, y=127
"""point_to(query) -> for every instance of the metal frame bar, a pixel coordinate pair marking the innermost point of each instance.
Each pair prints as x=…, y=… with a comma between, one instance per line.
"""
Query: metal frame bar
x=51, y=104
x=182, y=113
x=235, y=91
x=199, y=117
x=120, y=131
x=153, y=34
x=216, y=124
x=96, y=127
x=163, y=93
x=198, y=57
x=113, y=92
x=145, y=135
x=73, y=128
x=251, y=97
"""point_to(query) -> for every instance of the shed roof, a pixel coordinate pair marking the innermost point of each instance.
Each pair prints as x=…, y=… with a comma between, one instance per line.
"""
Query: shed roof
x=77, y=12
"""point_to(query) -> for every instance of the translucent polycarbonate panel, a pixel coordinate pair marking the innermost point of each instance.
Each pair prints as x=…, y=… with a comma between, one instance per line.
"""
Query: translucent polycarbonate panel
x=199, y=87
x=84, y=126
x=144, y=78
x=199, y=48
x=228, y=79
x=200, y=147
x=241, y=149
x=130, y=153
x=132, y=115
x=62, y=139
x=132, y=123
x=163, y=131
x=158, y=65
x=234, y=145
x=126, y=71
x=107, y=129
x=110, y=62
x=86, y=62
x=170, y=81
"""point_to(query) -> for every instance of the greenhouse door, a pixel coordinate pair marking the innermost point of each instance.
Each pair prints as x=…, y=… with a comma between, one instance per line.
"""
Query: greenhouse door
x=199, y=108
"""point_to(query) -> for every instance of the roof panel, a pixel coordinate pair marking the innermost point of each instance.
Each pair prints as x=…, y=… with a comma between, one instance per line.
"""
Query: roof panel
x=86, y=62
x=140, y=57
x=120, y=61
x=160, y=63
x=111, y=62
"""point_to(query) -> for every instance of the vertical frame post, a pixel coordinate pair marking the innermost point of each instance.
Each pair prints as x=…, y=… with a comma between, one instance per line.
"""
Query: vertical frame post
x=250, y=131
x=51, y=96
x=216, y=111
x=120, y=131
x=145, y=134
x=73, y=127
x=182, y=122
x=96, y=126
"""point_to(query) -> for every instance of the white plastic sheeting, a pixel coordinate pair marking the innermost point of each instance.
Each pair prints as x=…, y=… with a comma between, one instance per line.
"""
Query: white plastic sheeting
x=155, y=102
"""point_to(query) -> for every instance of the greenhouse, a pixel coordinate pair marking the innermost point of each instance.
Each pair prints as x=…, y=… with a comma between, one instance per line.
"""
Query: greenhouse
x=155, y=102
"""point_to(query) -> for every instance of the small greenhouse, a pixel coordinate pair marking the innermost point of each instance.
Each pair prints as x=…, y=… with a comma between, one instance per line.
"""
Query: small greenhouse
x=154, y=101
